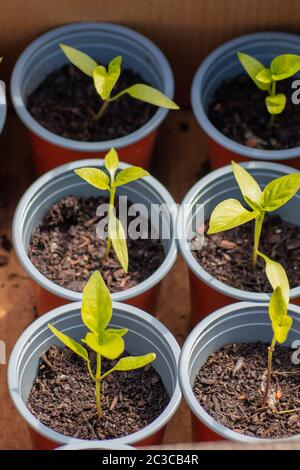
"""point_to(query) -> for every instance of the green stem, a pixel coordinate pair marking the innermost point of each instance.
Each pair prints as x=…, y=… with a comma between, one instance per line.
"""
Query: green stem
x=269, y=374
x=257, y=232
x=102, y=109
x=98, y=375
x=111, y=203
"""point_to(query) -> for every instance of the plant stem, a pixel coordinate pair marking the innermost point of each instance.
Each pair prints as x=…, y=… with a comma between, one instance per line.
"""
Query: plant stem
x=98, y=375
x=270, y=356
x=257, y=232
x=111, y=203
x=102, y=109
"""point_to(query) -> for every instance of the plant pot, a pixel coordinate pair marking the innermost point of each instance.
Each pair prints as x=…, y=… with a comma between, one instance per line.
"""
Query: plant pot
x=61, y=182
x=146, y=334
x=222, y=64
x=2, y=105
x=242, y=322
x=93, y=446
x=103, y=41
x=208, y=293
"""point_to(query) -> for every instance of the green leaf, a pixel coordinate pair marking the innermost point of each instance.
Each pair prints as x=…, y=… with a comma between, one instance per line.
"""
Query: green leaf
x=248, y=186
x=148, y=94
x=276, y=103
x=117, y=236
x=111, y=347
x=120, y=332
x=95, y=177
x=279, y=191
x=96, y=310
x=281, y=322
x=81, y=60
x=70, y=343
x=253, y=67
x=276, y=276
x=285, y=66
x=229, y=214
x=134, y=362
x=111, y=162
x=264, y=76
x=130, y=174
x=105, y=80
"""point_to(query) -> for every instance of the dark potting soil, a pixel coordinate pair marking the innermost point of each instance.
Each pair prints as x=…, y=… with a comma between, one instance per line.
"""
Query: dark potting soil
x=238, y=110
x=66, y=103
x=230, y=387
x=227, y=256
x=63, y=397
x=67, y=250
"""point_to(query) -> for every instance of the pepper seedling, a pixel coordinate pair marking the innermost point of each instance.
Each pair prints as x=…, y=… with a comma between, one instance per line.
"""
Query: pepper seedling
x=99, y=179
x=105, y=78
x=96, y=313
x=266, y=78
x=278, y=311
x=230, y=213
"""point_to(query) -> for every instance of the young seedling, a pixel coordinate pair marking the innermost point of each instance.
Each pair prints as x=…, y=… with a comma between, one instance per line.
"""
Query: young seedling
x=278, y=312
x=99, y=179
x=230, y=213
x=96, y=313
x=106, y=78
x=266, y=78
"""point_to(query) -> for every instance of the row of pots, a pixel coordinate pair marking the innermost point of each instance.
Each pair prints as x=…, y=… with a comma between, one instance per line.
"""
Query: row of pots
x=207, y=293
x=105, y=41
x=242, y=322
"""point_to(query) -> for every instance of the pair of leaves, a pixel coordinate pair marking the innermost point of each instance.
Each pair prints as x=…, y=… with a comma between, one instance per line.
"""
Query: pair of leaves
x=96, y=313
x=230, y=213
x=106, y=78
x=278, y=307
x=101, y=180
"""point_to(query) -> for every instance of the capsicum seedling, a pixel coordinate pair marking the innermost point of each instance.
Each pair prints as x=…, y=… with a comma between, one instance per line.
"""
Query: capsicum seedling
x=266, y=78
x=96, y=313
x=278, y=311
x=99, y=179
x=106, y=78
x=230, y=213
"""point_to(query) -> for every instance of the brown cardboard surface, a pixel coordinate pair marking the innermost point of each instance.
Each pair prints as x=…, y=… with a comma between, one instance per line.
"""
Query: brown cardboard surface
x=186, y=30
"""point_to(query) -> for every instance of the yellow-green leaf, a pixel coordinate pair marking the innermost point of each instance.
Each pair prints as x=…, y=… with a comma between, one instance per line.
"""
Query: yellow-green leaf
x=134, y=362
x=120, y=332
x=95, y=177
x=264, y=76
x=105, y=80
x=70, y=343
x=118, y=239
x=96, y=310
x=248, y=186
x=276, y=104
x=111, y=162
x=130, y=174
x=281, y=322
x=276, y=276
x=279, y=191
x=114, y=67
x=285, y=66
x=111, y=347
x=148, y=94
x=253, y=67
x=229, y=214
x=81, y=60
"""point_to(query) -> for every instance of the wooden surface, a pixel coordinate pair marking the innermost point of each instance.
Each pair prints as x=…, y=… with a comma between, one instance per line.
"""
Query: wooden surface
x=178, y=160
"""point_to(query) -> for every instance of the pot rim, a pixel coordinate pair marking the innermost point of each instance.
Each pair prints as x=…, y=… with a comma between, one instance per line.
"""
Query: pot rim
x=3, y=105
x=47, y=432
x=184, y=378
x=76, y=145
x=95, y=445
x=200, y=112
x=183, y=244
x=68, y=294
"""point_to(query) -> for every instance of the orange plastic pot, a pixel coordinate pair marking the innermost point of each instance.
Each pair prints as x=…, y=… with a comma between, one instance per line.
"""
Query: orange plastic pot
x=103, y=42
x=47, y=156
x=201, y=433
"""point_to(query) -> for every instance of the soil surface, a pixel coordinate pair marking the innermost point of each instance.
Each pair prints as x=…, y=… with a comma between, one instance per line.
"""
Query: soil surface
x=230, y=387
x=238, y=110
x=63, y=397
x=227, y=256
x=67, y=250
x=66, y=103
